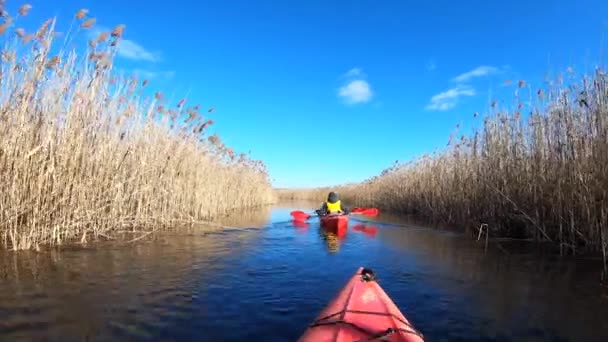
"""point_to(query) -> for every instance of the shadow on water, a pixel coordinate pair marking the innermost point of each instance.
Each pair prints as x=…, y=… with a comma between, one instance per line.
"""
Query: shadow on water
x=269, y=277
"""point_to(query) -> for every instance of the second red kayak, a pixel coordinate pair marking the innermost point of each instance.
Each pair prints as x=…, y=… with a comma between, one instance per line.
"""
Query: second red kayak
x=337, y=224
x=361, y=311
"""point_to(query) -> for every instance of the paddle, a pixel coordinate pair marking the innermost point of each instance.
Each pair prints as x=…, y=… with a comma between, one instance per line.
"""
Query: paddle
x=302, y=216
x=365, y=211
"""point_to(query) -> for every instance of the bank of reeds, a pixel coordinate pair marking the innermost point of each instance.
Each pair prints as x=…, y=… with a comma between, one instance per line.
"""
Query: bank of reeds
x=84, y=152
x=541, y=175
x=316, y=194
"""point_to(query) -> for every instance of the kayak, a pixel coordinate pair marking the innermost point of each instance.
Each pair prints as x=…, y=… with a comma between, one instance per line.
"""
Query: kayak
x=361, y=311
x=335, y=223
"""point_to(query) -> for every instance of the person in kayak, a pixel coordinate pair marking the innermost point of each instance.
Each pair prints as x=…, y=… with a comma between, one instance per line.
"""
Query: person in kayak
x=333, y=205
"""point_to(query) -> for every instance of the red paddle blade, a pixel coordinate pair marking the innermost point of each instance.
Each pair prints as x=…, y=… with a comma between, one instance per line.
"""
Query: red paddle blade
x=365, y=211
x=299, y=215
x=372, y=212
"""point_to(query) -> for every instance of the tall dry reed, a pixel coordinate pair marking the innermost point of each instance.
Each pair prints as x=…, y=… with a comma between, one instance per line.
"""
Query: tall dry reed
x=316, y=194
x=83, y=152
x=542, y=176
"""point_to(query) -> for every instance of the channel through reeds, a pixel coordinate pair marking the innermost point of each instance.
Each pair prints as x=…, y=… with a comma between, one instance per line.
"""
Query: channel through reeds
x=540, y=176
x=84, y=152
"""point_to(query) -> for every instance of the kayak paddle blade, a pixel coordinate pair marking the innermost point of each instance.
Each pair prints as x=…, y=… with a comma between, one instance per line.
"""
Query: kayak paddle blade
x=299, y=215
x=365, y=211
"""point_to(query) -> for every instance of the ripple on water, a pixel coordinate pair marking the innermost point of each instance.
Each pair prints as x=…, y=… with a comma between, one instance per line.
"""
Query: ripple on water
x=22, y=315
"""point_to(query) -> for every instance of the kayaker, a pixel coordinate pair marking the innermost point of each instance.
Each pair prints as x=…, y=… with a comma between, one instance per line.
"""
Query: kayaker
x=333, y=205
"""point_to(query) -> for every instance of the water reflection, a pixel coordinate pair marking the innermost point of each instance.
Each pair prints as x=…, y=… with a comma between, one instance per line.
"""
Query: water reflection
x=366, y=229
x=526, y=292
x=113, y=288
x=332, y=240
x=267, y=283
x=300, y=224
x=106, y=290
x=249, y=218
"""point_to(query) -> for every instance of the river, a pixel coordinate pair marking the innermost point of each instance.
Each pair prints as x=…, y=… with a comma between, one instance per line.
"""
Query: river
x=266, y=279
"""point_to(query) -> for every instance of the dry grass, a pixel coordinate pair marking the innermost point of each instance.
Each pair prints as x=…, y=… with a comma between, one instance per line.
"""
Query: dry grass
x=83, y=152
x=317, y=194
x=543, y=176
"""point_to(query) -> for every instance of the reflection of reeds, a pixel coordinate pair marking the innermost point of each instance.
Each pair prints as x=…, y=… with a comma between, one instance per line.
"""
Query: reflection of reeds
x=505, y=279
x=83, y=152
x=69, y=294
x=248, y=218
x=542, y=177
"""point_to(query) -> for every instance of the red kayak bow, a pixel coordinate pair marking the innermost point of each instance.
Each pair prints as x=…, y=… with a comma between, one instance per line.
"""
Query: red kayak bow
x=361, y=311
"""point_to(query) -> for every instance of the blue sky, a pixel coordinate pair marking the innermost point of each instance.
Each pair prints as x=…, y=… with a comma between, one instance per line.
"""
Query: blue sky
x=329, y=92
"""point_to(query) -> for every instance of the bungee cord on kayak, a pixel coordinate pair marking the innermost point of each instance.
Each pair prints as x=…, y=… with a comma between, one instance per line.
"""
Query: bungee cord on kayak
x=368, y=275
x=373, y=335
x=362, y=296
x=391, y=331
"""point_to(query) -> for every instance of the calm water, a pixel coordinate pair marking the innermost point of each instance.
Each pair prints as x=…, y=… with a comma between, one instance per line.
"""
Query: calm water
x=267, y=283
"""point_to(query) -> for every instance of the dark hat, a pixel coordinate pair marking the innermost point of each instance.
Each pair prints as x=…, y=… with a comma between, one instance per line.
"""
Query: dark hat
x=333, y=197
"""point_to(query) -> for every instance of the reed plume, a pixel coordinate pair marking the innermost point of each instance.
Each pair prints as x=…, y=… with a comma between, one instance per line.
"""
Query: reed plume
x=83, y=152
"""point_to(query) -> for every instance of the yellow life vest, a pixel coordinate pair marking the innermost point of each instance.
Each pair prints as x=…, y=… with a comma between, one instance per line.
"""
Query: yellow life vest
x=334, y=207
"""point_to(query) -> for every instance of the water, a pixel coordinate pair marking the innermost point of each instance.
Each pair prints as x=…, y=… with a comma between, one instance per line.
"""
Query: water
x=267, y=283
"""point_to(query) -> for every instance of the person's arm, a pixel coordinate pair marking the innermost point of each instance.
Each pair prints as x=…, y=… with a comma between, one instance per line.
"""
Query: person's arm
x=323, y=210
x=345, y=209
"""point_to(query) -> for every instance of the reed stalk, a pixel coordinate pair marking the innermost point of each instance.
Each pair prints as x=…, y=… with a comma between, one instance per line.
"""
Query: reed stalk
x=83, y=151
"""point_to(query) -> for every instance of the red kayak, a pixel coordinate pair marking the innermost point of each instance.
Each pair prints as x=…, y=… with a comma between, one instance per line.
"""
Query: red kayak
x=361, y=311
x=335, y=223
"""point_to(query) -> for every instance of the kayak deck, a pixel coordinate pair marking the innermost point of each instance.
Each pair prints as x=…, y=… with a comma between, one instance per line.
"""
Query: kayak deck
x=361, y=311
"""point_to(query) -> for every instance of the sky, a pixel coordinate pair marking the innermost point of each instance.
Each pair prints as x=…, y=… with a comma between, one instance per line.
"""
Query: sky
x=333, y=92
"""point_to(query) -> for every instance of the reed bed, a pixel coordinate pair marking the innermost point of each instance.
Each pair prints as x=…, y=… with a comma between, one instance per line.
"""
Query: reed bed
x=541, y=175
x=83, y=151
x=317, y=194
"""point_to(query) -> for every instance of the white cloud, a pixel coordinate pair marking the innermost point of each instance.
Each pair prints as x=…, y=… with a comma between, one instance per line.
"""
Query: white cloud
x=354, y=72
x=357, y=91
x=449, y=98
x=131, y=50
x=480, y=71
x=128, y=48
x=149, y=74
